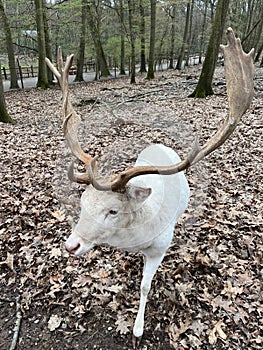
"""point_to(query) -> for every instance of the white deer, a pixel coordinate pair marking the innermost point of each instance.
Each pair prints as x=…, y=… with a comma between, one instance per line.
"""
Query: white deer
x=138, y=209
x=140, y=219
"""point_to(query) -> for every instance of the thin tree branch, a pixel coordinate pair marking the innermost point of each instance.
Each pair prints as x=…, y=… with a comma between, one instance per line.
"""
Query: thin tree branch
x=25, y=47
x=251, y=31
x=17, y=325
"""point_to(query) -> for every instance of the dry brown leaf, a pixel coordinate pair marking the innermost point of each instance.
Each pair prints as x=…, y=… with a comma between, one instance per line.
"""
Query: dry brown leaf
x=217, y=332
x=9, y=261
x=123, y=326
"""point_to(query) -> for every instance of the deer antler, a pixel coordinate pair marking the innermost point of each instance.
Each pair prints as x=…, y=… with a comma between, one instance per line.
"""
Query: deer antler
x=239, y=70
x=70, y=118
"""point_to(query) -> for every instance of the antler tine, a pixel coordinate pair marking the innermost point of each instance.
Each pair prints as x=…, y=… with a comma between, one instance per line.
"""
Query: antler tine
x=70, y=118
x=60, y=59
x=53, y=70
x=239, y=70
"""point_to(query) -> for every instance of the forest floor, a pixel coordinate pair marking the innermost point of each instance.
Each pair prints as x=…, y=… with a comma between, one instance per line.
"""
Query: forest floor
x=207, y=294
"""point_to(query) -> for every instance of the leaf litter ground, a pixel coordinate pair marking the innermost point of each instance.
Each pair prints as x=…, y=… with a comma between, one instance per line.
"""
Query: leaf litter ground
x=207, y=294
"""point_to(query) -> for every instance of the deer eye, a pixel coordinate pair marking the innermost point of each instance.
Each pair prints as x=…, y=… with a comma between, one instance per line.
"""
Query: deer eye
x=113, y=212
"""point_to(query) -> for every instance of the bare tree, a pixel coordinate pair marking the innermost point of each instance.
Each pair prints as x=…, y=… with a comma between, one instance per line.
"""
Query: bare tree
x=122, y=58
x=4, y=116
x=47, y=42
x=172, y=13
x=42, y=68
x=150, y=74
x=204, y=86
x=82, y=41
x=9, y=47
x=132, y=36
x=185, y=37
x=142, y=35
x=190, y=33
x=202, y=36
x=254, y=28
x=93, y=23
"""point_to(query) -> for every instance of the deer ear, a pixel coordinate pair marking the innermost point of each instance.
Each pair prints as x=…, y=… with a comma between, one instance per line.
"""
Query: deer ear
x=140, y=194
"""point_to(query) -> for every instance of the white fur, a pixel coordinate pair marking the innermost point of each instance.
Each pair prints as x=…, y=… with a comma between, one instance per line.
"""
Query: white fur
x=142, y=219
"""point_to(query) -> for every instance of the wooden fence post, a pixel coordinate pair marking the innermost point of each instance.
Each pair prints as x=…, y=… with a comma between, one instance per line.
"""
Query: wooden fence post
x=4, y=71
x=20, y=73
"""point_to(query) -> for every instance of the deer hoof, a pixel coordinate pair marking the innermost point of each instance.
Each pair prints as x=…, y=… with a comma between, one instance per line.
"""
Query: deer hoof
x=136, y=342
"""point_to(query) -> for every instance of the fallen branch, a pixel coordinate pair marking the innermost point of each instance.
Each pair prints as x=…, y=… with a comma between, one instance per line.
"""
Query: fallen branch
x=17, y=325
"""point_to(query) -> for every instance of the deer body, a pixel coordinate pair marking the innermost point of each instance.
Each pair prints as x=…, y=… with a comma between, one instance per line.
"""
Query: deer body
x=141, y=219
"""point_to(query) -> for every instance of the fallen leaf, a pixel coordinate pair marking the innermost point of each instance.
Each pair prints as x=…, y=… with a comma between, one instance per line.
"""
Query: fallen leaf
x=59, y=215
x=215, y=332
x=55, y=252
x=123, y=326
x=9, y=261
x=54, y=322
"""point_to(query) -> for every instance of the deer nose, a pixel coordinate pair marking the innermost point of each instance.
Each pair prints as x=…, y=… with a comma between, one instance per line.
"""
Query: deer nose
x=73, y=249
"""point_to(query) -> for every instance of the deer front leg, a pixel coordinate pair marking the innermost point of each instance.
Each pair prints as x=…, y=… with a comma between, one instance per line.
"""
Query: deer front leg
x=151, y=265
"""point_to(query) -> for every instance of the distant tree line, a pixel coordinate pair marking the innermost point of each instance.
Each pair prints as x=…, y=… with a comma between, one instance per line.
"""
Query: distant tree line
x=126, y=33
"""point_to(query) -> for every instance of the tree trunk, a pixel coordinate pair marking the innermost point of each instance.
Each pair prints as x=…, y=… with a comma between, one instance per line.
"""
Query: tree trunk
x=82, y=41
x=212, y=9
x=159, y=50
x=42, y=81
x=47, y=44
x=259, y=31
x=95, y=33
x=171, y=59
x=4, y=116
x=203, y=33
x=185, y=38
x=259, y=52
x=142, y=34
x=122, y=63
x=190, y=33
x=254, y=32
x=9, y=46
x=250, y=10
x=104, y=70
x=150, y=74
x=132, y=40
x=204, y=86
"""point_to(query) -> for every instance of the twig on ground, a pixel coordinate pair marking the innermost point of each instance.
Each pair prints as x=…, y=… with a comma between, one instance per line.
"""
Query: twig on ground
x=17, y=325
x=5, y=300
